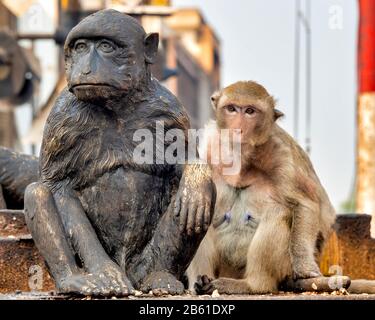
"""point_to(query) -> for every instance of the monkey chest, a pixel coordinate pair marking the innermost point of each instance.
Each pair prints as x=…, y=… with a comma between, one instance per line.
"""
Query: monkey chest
x=238, y=213
x=234, y=235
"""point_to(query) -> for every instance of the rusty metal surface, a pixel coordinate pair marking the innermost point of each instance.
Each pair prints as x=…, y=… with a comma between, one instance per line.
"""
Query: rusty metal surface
x=351, y=247
x=19, y=262
x=12, y=223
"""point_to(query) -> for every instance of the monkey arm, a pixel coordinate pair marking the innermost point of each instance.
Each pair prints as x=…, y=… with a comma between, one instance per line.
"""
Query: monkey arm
x=195, y=198
x=304, y=232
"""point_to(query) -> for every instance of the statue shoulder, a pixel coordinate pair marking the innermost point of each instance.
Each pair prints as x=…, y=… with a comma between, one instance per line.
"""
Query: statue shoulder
x=167, y=102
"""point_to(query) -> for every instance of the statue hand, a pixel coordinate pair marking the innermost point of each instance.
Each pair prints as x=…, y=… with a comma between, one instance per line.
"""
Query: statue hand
x=195, y=199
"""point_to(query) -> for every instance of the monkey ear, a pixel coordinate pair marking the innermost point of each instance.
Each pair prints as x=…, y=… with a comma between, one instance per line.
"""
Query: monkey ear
x=214, y=98
x=151, y=42
x=277, y=114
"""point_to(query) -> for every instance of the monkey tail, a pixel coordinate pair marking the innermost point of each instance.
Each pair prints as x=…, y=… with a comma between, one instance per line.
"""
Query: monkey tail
x=362, y=286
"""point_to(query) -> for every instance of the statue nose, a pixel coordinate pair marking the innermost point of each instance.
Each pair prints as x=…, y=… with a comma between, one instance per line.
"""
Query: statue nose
x=86, y=71
x=88, y=63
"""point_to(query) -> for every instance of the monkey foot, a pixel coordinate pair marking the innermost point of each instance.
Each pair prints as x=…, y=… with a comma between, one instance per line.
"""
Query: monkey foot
x=92, y=285
x=162, y=283
x=206, y=285
x=203, y=285
x=303, y=270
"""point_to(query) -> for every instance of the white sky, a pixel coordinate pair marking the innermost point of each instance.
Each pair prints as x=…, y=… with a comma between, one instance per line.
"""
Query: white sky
x=257, y=39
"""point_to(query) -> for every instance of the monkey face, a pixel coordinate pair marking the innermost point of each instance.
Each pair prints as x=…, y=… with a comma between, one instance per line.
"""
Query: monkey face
x=99, y=69
x=245, y=118
x=247, y=107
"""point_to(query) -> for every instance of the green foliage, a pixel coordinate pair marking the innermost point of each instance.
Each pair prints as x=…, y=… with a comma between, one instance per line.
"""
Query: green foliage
x=348, y=206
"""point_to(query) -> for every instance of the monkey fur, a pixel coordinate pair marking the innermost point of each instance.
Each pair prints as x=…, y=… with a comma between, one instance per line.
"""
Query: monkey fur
x=272, y=217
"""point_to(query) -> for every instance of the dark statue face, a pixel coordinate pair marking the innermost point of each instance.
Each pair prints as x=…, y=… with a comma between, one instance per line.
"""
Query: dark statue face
x=103, y=70
x=107, y=56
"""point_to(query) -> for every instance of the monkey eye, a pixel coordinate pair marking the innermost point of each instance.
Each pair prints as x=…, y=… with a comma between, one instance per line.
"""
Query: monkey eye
x=250, y=110
x=230, y=108
x=106, y=46
x=80, y=46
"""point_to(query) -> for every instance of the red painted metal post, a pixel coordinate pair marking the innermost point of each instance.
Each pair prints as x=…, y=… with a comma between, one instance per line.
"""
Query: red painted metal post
x=365, y=191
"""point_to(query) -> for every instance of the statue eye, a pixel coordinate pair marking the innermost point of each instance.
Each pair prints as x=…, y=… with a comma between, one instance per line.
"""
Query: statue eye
x=106, y=46
x=230, y=108
x=80, y=46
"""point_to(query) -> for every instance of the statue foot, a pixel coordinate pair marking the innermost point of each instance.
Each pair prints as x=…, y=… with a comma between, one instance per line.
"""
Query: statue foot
x=161, y=283
x=91, y=285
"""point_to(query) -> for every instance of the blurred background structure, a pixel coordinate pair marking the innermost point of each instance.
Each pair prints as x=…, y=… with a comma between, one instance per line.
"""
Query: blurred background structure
x=305, y=52
x=188, y=64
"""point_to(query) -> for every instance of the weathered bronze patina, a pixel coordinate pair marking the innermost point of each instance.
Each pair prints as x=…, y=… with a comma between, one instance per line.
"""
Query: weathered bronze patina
x=104, y=223
x=17, y=171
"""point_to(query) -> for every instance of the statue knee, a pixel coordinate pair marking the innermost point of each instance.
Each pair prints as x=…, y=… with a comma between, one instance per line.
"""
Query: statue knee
x=37, y=190
x=35, y=194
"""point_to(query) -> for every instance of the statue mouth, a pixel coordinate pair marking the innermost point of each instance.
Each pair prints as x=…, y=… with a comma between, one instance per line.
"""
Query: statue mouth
x=91, y=85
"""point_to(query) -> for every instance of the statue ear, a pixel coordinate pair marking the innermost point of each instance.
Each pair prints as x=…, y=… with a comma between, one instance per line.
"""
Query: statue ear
x=214, y=99
x=151, y=42
x=277, y=114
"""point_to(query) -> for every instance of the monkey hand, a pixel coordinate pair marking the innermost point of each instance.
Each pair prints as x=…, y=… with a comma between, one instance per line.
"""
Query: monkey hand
x=109, y=279
x=162, y=283
x=195, y=199
x=304, y=269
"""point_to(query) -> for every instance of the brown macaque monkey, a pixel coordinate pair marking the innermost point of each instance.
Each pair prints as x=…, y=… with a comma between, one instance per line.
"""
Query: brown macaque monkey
x=272, y=216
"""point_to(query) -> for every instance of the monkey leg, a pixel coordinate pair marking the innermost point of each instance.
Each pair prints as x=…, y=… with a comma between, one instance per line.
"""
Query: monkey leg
x=47, y=229
x=268, y=257
x=268, y=260
x=203, y=263
x=304, y=234
x=164, y=260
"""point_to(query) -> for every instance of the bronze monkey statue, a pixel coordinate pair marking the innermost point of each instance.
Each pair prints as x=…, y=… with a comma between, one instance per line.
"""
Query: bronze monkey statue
x=104, y=222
